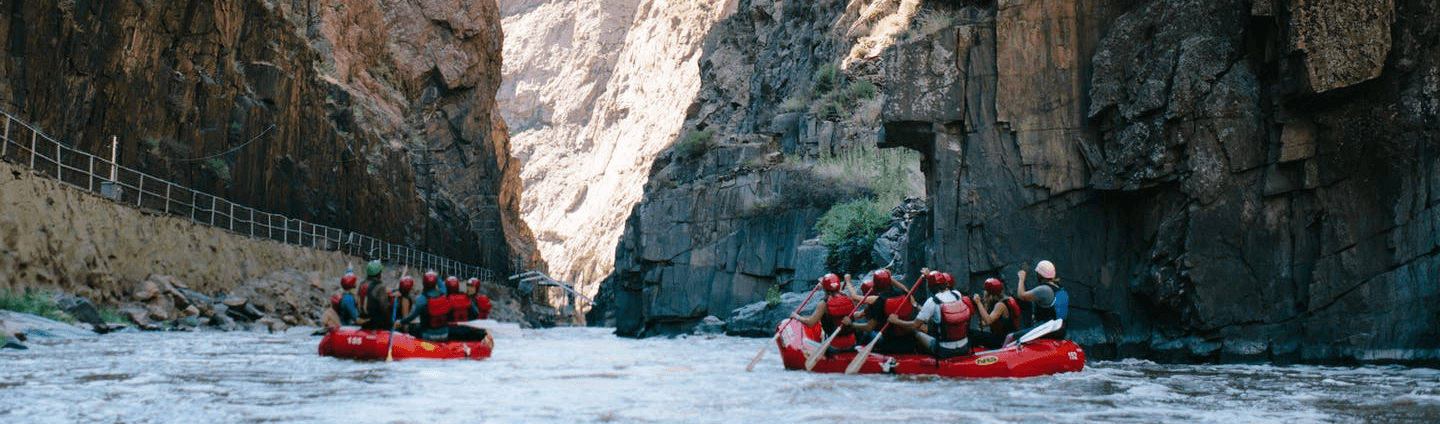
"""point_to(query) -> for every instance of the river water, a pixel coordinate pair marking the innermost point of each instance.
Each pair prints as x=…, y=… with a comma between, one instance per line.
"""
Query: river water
x=589, y=375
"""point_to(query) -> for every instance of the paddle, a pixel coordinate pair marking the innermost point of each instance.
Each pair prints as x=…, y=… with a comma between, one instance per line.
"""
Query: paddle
x=1048, y=327
x=864, y=353
x=751, y=367
x=813, y=358
x=394, y=306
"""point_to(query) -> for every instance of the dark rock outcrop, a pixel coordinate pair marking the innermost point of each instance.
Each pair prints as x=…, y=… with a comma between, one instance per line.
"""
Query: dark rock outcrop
x=759, y=319
x=84, y=311
x=1218, y=181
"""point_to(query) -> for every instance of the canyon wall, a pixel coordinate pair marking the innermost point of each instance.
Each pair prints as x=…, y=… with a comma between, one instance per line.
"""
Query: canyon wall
x=593, y=90
x=376, y=117
x=729, y=208
x=1226, y=181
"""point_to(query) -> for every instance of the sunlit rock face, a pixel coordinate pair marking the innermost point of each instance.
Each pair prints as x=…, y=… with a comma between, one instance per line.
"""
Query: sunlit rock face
x=593, y=90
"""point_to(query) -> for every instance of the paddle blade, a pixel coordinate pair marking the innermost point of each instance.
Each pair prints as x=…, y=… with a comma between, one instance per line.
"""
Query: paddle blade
x=1043, y=329
x=751, y=366
x=854, y=366
x=813, y=358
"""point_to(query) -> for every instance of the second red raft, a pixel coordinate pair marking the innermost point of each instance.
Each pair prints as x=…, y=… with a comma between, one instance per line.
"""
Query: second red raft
x=354, y=343
x=1034, y=358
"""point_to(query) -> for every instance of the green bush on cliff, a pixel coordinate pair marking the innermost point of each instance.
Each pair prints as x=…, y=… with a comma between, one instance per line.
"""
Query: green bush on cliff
x=836, y=97
x=694, y=142
x=848, y=230
x=827, y=79
x=34, y=302
x=220, y=168
x=863, y=89
x=890, y=174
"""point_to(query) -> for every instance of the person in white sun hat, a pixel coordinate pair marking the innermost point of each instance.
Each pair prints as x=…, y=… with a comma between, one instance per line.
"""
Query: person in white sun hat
x=1048, y=300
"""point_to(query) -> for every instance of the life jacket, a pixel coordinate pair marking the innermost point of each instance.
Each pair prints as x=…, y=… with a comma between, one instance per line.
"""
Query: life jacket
x=836, y=308
x=1047, y=313
x=1010, y=325
x=482, y=302
x=345, y=317
x=901, y=307
x=954, y=318
x=438, y=308
x=406, y=304
x=361, y=302
x=459, y=307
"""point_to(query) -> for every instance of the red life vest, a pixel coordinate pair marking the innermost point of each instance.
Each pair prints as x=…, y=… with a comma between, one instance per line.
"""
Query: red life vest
x=899, y=306
x=482, y=302
x=438, y=308
x=459, y=307
x=1012, y=322
x=836, y=308
x=954, y=318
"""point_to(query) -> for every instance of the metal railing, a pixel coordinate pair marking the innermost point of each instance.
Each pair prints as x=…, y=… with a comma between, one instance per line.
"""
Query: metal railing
x=24, y=145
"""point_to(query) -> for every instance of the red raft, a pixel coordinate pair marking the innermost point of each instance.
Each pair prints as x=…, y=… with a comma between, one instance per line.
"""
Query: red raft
x=1034, y=358
x=354, y=343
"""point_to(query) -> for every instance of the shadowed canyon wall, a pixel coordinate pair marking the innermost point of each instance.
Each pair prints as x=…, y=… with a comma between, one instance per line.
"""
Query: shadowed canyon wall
x=1216, y=180
x=376, y=117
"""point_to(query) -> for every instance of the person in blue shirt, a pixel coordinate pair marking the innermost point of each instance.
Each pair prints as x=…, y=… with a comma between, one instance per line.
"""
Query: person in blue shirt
x=347, y=310
x=1049, y=300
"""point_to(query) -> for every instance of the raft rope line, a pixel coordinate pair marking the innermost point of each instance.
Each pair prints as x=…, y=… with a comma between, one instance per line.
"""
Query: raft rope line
x=188, y=203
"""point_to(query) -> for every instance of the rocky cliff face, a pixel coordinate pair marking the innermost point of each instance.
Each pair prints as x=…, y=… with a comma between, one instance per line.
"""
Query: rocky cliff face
x=593, y=90
x=1217, y=180
x=377, y=117
x=1226, y=181
x=729, y=208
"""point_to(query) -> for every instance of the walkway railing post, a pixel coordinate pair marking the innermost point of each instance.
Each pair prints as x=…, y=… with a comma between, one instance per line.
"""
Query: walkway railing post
x=5, y=145
x=114, y=161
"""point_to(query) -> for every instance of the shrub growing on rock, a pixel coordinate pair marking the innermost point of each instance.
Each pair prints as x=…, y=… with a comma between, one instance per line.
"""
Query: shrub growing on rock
x=849, y=230
x=694, y=142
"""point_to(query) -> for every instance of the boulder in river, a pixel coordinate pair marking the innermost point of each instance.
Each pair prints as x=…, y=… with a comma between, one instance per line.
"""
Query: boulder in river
x=11, y=341
x=36, y=327
x=760, y=320
x=710, y=325
x=83, y=310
